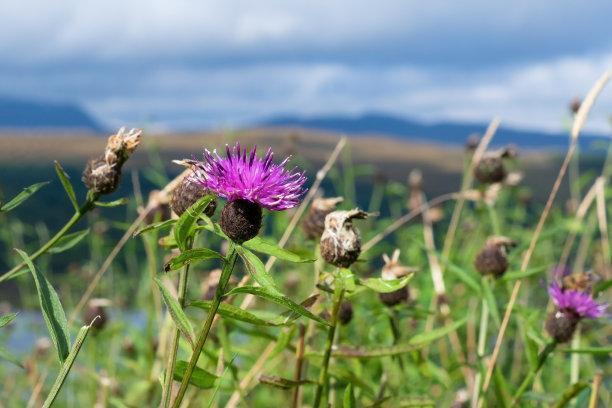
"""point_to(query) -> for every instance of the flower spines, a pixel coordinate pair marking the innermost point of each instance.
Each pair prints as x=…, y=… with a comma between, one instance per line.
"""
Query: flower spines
x=244, y=175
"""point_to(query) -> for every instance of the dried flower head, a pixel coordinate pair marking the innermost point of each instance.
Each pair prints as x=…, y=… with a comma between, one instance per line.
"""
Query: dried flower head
x=394, y=270
x=472, y=142
x=493, y=257
x=242, y=175
x=95, y=313
x=574, y=105
x=313, y=223
x=186, y=193
x=491, y=167
x=102, y=174
x=341, y=241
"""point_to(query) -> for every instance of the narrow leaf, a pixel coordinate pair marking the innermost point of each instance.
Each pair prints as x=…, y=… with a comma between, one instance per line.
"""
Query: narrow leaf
x=176, y=312
x=259, y=244
x=24, y=195
x=191, y=256
x=67, y=365
x=386, y=286
x=257, y=270
x=68, y=241
x=52, y=310
x=61, y=174
x=590, y=350
x=155, y=227
x=6, y=319
x=185, y=225
x=115, y=203
x=200, y=377
x=6, y=355
x=282, y=300
x=230, y=311
x=465, y=277
x=427, y=337
x=282, y=383
x=349, y=397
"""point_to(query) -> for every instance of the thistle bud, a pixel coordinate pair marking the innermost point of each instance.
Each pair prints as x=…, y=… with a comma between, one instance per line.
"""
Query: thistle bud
x=493, y=257
x=101, y=175
x=241, y=220
x=491, y=168
x=574, y=105
x=561, y=325
x=394, y=270
x=345, y=312
x=341, y=242
x=95, y=314
x=185, y=194
x=314, y=222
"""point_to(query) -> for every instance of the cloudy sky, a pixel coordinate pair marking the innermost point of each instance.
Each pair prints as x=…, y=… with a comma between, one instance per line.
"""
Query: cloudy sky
x=189, y=64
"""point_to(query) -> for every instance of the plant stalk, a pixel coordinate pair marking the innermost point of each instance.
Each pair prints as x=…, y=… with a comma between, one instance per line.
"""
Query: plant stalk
x=550, y=347
x=203, y=335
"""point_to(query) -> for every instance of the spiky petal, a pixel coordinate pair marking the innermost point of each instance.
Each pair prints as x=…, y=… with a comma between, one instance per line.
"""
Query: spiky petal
x=244, y=175
x=580, y=303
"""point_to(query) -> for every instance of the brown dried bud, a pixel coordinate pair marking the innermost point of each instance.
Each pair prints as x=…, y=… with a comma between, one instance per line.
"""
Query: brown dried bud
x=100, y=177
x=345, y=312
x=490, y=169
x=341, y=242
x=95, y=313
x=561, y=325
x=185, y=194
x=493, y=257
x=472, y=142
x=241, y=220
x=574, y=105
x=314, y=222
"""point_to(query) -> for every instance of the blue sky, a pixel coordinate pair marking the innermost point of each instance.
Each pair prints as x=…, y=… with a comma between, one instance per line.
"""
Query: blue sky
x=190, y=64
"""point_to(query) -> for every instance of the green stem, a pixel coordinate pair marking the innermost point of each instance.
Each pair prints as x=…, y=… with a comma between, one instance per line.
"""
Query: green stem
x=89, y=204
x=550, y=347
x=495, y=225
x=480, y=350
x=203, y=335
x=168, y=378
x=323, y=384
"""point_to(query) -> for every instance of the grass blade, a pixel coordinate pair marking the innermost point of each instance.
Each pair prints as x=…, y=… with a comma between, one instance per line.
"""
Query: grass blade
x=61, y=174
x=52, y=310
x=68, y=241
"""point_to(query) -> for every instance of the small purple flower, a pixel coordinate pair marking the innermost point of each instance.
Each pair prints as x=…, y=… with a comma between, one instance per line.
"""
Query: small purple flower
x=245, y=176
x=580, y=303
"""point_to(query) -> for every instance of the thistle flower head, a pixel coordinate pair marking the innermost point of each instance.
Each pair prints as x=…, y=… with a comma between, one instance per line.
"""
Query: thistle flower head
x=581, y=303
x=242, y=175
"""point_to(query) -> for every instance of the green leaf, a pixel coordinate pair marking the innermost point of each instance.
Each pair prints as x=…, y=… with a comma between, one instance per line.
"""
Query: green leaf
x=422, y=339
x=115, y=203
x=380, y=285
x=61, y=174
x=68, y=241
x=230, y=311
x=154, y=227
x=590, y=350
x=257, y=270
x=465, y=277
x=66, y=366
x=52, y=310
x=282, y=383
x=6, y=319
x=176, y=312
x=282, y=300
x=21, y=197
x=343, y=351
x=184, y=227
x=6, y=355
x=349, y=397
x=191, y=256
x=200, y=377
x=259, y=244
x=510, y=276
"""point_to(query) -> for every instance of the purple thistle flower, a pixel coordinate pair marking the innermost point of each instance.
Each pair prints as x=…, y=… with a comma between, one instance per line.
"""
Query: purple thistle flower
x=580, y=303
x=245, y=176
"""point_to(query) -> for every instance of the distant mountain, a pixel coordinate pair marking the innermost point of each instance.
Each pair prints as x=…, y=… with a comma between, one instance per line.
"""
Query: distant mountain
x=448, y=133
x=20, y=114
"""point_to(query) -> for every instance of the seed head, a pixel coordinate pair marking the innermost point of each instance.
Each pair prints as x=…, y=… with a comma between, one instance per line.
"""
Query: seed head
x=186, y=194
x=472, y=142
x=341, y=241
x=102, y=174
x=493, y=257
x=491, y=167
x=313, y=223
